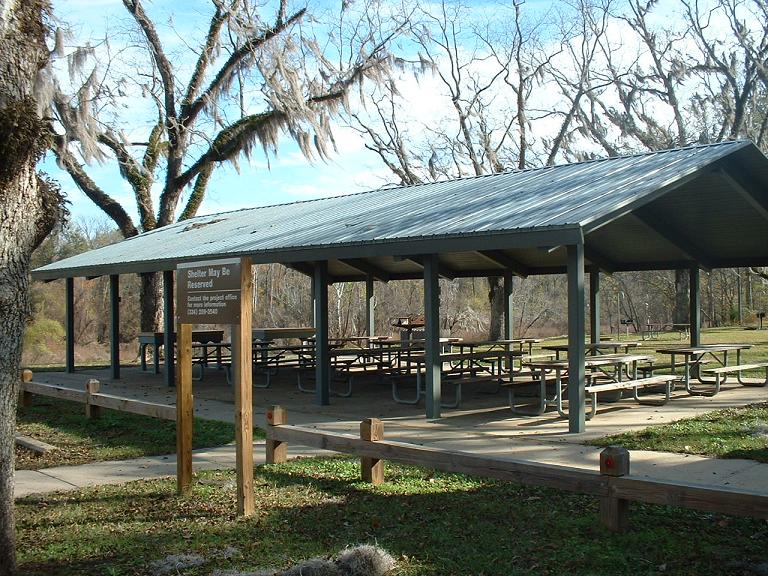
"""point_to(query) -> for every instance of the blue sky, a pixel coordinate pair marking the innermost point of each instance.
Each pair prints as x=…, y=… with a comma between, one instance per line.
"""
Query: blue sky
x=287, y=177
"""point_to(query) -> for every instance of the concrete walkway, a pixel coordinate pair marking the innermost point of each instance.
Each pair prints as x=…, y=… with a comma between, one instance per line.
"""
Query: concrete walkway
x=486, y=428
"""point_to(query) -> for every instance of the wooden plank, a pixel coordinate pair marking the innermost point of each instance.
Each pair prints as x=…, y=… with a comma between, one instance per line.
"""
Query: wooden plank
x=162, y=411
x=277, y=451
x=25, y=397
x=242, y=337
x=184, y=409
x=561, y=477
x=725, y=369
x=34, y=445
x=372, y=469
x=721, y=500
x=725, y=501
x=628, y=384
x=92, y=410
x=54, y=391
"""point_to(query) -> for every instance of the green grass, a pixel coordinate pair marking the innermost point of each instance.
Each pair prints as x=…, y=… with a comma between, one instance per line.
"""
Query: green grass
x=730, y=433
x=115, y=436
x=432, y=523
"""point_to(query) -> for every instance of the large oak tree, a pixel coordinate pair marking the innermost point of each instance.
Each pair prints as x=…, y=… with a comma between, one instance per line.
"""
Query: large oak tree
x=251, y=76
x=29, y=207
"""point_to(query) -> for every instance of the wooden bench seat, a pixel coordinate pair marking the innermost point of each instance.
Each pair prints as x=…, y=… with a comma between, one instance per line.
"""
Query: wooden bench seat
x=664, y=380
x=721, y=372
x=649, y=370
x=457, y=377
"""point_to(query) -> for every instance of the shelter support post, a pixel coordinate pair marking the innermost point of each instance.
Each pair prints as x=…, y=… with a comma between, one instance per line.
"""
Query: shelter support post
x=694, y=317
x=594, y=306
x=576, y=335
x=168, y=327
x=69, y=305
x=114, y=325
x=432, y=335
x=369, y=306
x=184, y=410
x=242, y=341
x=509, y=285
x=322, y=355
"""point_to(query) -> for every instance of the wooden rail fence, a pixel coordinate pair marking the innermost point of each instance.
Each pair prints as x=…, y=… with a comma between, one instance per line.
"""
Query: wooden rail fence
x=94, y=400
x=612, y=483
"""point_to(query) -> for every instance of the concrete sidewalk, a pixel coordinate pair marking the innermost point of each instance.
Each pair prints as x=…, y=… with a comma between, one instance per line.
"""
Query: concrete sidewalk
x=733, y=474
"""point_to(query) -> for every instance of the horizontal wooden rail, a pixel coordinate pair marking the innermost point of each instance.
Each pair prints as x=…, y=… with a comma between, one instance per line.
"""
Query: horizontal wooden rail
x=562, y=477
x=93, y=399
x=613, y=484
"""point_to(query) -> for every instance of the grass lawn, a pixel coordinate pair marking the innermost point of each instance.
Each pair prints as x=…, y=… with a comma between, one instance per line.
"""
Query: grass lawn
x=432, y=523
x=115, y=436
x=731, y=433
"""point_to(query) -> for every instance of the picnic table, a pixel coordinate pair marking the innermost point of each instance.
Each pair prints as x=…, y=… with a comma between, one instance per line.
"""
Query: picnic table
x=606, y=374
x=157, y=340
x=694, y=357
x=595, y=347
x=455, y=368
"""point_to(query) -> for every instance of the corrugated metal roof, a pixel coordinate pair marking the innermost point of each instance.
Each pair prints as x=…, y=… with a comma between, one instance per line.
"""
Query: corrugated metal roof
x=552, y=198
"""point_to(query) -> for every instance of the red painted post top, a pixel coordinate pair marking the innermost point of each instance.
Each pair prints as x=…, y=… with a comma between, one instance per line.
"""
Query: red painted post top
x=614, y=461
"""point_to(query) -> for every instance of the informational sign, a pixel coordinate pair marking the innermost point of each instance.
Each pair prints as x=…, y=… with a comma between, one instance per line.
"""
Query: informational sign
x=208, y=292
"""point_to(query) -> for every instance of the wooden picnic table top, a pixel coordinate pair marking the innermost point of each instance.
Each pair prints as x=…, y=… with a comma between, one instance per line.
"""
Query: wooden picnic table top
x=603, y=345
x=457, y=356
x=703, y=349
x=591, y=361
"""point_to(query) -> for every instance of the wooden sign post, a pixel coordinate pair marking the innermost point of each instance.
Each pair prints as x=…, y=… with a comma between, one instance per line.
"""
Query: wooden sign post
x=243, y=381
x=216, y=292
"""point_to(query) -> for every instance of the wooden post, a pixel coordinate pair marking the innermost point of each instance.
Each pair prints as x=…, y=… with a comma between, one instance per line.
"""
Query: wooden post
x=509, y=286
x=114, y=325
x=695, y=306
x=614, y=512
x=372, y=469
x=184, y=409
x=242, y=338
x=594, y=306
x=432, y=336
x=91, y=411
x=168, y=328
x=26, y=397
x=69, y=325
x=277, y=452
x=322, y=351
x=576, y=334
x=369, y=307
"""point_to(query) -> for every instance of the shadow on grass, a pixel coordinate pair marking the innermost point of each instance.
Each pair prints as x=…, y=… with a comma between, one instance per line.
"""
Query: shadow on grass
x=433, y=523
x=113, y=435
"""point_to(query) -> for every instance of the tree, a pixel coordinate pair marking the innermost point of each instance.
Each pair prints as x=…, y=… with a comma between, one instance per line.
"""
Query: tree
x=30, y=205
x=489, y=73
x=254, y=76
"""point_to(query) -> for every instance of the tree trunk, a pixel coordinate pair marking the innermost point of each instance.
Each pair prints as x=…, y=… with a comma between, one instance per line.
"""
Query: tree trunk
x=28, y=209
x=682, y=297
x=496, y=300
x=151, y=302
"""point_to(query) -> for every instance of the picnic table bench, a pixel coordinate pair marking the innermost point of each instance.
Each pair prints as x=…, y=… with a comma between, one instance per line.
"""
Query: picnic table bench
x=720, y=372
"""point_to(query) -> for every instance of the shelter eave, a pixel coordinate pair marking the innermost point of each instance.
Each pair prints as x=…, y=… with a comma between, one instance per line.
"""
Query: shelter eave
x=544, y=237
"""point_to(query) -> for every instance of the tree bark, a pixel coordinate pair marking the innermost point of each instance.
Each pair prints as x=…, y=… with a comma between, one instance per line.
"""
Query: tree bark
x=151, y=302
x=29, y=207
x=496, y=300
x=682, y=297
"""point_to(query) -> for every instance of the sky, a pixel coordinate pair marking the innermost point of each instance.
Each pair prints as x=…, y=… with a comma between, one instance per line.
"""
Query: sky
x=286, y=177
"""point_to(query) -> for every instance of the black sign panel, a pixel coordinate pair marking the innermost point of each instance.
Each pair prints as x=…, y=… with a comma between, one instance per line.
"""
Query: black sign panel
x=208, y=292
